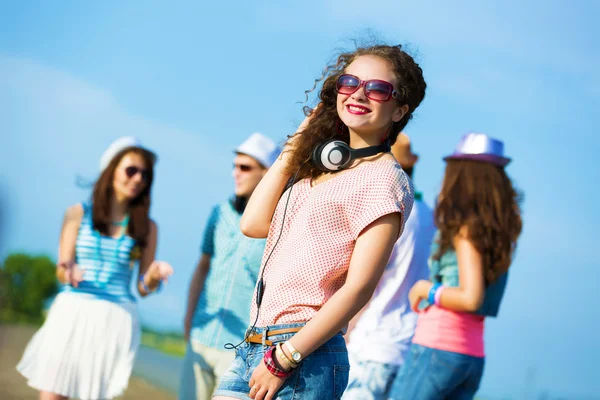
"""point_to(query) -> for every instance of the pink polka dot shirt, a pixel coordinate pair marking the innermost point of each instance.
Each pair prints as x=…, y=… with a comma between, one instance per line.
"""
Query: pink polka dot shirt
x=322, y=223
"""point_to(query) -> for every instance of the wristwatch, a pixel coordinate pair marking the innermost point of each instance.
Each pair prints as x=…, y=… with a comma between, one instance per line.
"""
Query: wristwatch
x=296, y=356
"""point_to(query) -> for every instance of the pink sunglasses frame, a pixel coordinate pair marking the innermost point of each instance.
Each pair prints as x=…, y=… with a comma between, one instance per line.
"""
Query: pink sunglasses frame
x=392, y=94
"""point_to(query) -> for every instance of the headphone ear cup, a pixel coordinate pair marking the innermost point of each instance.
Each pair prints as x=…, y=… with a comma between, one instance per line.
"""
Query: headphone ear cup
x=316, y=157
x=332, y=156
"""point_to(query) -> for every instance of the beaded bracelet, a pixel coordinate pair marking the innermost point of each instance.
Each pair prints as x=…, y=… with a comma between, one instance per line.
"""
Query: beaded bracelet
x=146, y=288
x=272, y=366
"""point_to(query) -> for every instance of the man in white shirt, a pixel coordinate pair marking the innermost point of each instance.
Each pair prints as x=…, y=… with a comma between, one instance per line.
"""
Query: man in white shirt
x=380, y=335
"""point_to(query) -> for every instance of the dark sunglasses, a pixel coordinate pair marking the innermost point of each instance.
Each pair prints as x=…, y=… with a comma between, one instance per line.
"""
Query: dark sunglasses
x=375, y=89
x=243, y=167
x=132, y=171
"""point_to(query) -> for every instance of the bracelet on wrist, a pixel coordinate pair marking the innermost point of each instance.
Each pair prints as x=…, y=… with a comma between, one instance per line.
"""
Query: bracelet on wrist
x=280, y=362
x=272, y=366
x=280, y=353
x=145, y=287
x=438, y=295
x=431, y=295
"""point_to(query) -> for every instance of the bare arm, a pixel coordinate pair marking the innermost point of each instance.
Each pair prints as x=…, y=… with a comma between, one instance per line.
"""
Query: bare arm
x=196, y=286
x=392, y=261
x=469, y=295
x=148, y=254
x=68, y=238
x=354, y=321
x=259, y=211
x=258, y=214
x=369, y=258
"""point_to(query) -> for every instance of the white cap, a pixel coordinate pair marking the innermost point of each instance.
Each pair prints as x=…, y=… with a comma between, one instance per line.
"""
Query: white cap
x=261, y=148
x=117, y=146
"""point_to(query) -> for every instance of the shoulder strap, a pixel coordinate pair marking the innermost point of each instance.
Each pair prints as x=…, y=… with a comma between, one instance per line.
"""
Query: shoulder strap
x=87, y=211
x=87, y=214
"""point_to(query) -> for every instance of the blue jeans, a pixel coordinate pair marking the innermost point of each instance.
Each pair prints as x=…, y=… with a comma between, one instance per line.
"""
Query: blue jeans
x=321, y=375
x=431, y=374
x=369, y=380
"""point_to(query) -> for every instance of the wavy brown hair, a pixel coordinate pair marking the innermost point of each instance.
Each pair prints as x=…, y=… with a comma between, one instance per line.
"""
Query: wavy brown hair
x=327, y=125
x=480, y=196
x=139, y=208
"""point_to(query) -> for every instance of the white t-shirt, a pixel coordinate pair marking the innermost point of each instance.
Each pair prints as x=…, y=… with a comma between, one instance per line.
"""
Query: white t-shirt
x=385, y=329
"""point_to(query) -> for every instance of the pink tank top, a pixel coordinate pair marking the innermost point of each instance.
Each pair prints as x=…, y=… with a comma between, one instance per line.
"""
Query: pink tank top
x=453, y=331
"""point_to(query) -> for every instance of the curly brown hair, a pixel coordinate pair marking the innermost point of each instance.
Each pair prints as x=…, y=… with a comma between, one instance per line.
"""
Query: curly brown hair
x=481, y=197
x=326, y=124
x=139, y=208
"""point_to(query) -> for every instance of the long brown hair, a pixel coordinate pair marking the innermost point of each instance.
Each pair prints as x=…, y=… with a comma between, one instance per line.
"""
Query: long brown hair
x=327, y=125
x=139, y=220
x=481, y=197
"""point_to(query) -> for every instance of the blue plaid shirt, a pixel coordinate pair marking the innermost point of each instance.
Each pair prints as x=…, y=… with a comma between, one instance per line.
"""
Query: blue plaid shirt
x=223, y=308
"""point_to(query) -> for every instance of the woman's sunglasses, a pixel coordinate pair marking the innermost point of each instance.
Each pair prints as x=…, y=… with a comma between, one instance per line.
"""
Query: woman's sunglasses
x=375, y=89
x=132, y=171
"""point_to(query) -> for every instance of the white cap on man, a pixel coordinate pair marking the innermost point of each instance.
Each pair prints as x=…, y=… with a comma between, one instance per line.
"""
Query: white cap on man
x=261, y=148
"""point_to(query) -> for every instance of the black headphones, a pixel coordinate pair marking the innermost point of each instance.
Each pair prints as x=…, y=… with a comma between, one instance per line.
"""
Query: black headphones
x=335, y=154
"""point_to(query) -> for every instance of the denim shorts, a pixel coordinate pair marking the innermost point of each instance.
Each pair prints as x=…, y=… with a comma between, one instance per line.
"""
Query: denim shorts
x=323, y=375
x=431, y=374
x=369, y=380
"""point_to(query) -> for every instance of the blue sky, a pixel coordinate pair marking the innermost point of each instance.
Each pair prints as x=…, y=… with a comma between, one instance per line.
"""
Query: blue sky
x=192, y=80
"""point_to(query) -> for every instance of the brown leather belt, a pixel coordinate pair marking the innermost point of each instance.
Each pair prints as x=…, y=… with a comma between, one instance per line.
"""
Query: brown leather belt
x=258, y=337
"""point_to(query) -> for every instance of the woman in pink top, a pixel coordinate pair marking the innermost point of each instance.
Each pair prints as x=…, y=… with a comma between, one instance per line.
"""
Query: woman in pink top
x=478, y=220
x=331, y=233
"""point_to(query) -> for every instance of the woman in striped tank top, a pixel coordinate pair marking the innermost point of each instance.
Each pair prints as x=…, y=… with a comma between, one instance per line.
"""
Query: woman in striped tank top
x=87, y=345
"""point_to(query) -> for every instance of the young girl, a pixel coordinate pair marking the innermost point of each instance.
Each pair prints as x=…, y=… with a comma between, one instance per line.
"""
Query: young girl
x=479, y=221
x=330, y=235
x=88, y=343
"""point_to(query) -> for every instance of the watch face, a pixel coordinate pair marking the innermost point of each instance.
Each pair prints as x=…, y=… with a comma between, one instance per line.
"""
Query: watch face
x=296, y=356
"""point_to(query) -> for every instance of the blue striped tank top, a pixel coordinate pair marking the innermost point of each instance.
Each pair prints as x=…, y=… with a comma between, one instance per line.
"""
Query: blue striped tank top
x=106, y=262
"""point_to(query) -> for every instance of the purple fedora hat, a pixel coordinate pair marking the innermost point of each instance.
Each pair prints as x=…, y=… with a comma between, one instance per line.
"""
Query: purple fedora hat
x=480, y=147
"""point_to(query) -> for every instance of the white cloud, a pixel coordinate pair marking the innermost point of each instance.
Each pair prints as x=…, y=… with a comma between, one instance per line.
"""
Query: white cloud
x=80, y=111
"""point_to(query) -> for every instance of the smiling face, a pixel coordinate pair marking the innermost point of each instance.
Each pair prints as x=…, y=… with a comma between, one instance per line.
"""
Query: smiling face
x=361, y=114
x=130, y=177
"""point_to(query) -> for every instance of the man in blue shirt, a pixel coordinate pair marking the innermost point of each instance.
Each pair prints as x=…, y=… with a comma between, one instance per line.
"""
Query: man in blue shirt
x=224, y=280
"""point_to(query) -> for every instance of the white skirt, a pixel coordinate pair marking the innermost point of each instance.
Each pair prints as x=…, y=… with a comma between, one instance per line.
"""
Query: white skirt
x=85, y=349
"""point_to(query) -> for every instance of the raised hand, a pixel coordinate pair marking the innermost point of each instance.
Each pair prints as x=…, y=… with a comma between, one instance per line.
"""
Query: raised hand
x=160, y=271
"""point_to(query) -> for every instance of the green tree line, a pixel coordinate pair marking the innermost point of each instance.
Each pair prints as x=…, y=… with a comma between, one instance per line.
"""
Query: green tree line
x=26, y=282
